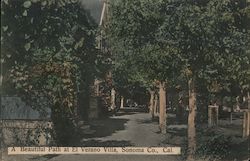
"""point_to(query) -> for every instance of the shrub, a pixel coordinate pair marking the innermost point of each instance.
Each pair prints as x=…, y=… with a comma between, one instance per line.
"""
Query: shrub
x=215, y=147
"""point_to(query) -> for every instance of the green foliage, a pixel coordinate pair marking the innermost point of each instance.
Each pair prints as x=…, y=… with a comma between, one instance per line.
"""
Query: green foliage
x=65, y=131
x=219, y=43
x=48, y=52
x=164, y=39
x=48, y=48
x=216, y=147
x=137, y=54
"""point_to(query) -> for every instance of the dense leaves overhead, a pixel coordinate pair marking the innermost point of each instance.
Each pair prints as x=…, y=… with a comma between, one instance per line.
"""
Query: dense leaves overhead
x=48, y=48
x=164, y=39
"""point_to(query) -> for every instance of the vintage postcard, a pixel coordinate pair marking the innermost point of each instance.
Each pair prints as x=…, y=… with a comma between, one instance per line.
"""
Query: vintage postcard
x=125, y=80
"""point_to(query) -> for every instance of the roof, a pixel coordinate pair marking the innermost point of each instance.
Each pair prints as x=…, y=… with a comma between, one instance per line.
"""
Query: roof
x=15, y=108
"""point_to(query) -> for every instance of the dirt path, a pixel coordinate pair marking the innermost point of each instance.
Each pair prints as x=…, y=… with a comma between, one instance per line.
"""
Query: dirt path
x=124, y=129
x=132, y=129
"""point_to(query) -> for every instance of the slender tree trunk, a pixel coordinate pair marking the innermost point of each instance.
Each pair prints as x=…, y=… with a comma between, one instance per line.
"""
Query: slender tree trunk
x=162, y=116
x=246, y=123
x=122, y=104
x=151, y=104
x=155, y=105
x=191, y=120
x=112, y=99
x=248, y=100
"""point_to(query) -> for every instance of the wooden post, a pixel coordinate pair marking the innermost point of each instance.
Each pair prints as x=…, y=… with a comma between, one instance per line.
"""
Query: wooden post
x=209, y=116
x=213, y=115
x=231, y=117
x=162, y=116
x=217, y=115
x=122, y=104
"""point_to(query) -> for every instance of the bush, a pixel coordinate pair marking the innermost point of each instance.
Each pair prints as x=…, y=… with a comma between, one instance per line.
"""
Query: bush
x=64, y=127
x=215, y=147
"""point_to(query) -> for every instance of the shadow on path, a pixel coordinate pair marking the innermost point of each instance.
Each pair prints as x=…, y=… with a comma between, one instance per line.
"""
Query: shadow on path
x=125, y=113
x=106, y=127
x=148, y=121
x=109, y=143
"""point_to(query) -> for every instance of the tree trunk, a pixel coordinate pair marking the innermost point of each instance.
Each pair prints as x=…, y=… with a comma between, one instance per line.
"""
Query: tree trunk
x=191, y=120
x=246, y=119
x=246, y=124
x=162, y=116
x=83, y=102
x=151, y=104
x=112, y=99
x=122, y=100
x=180, y=110
x=248, y=100
x=155, y=106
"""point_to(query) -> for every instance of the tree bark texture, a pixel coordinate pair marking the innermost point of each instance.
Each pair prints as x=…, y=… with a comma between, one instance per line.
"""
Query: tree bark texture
x=113, y=99
x=191, y=120
x=122, y=102
x=151, y=104
x=162, y=116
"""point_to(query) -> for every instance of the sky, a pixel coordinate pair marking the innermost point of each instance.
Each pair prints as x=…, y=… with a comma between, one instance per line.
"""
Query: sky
x=94, y=7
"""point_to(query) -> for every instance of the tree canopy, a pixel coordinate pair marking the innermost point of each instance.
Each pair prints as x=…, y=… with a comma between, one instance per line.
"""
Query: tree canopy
x=164, y=38
x=48, y=48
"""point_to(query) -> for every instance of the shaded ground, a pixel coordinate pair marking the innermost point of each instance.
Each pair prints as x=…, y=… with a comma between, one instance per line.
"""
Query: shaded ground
x=225, y=139
x=106, y=127
x=138, y=129
x=124, y=129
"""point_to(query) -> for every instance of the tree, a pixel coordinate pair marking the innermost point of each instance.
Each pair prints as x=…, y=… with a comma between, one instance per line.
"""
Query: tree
x=204, y=40
x=49, y=52
x=133, y=34
x=197, y=28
